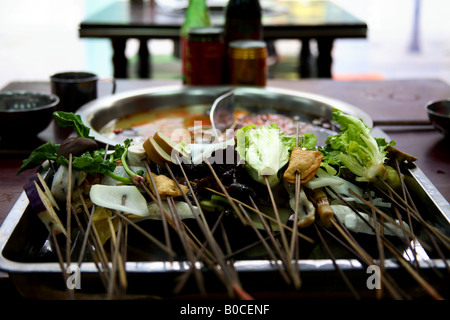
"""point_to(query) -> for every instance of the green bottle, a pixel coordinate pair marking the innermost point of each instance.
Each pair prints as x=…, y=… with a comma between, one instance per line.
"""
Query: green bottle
x=197, y=15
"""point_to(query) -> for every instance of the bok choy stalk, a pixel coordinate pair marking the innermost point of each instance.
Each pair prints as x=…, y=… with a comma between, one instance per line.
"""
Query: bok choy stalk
x=135, y=177
x=355, y=149
x=265, y=150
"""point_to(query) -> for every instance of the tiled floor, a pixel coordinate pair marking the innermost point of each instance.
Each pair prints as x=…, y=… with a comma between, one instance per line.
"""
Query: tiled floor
x=39, y=38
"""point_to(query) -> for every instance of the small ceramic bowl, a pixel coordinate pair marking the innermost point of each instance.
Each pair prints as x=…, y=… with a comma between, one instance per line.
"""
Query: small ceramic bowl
x=439, y=115
x=24, y=113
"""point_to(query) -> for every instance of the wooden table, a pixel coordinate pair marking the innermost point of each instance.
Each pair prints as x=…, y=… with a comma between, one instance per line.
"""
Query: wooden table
x=302, y=20
x=389, y=103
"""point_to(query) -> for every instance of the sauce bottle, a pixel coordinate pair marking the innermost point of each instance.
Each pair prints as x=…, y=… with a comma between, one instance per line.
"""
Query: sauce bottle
x=243, y=20
x=247, y=61
x=205, y=56
x=197, y=15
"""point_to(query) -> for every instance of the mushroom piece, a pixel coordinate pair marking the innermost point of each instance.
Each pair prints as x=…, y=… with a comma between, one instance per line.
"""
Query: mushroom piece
x=306, y=209
x=324, y=210
x=76, y=146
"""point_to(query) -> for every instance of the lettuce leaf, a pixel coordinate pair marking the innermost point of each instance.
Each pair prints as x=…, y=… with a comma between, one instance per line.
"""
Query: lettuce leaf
x=265, y=150
x=355, y=148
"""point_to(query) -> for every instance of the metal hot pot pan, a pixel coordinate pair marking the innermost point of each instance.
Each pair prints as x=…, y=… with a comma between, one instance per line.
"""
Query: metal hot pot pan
x=306, y=107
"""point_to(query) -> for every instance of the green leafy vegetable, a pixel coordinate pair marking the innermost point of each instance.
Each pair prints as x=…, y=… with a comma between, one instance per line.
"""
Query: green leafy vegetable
x=355, y=148
x=265, y=150
x=91, y=163
x=95, y=162
x=46, y=151
x=69, y=119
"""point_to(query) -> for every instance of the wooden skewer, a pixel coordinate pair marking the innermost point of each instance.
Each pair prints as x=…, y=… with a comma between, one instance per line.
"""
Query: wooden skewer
x=201, y=225
x=342, y=274
x=199, y=254
x=187, y=248
x=262, y=214
x=147, y=235
x=90, y=246
x=364, y=255
x=233, y=205
x=95, y=237
x=69, y=211
x=415, y=274
x=399, y=257
x=294, y=237
x=378, y=233
x=267, y=247
x=60, y=260
x=163, y=216
x=283, y=255
x=277, y=216
x=298, y=177
x=408, y=213
x=117, y=261
x=415, y=214
x=232, y=277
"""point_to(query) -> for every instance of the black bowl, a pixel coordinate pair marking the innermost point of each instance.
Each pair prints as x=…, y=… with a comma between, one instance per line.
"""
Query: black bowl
x=439, y=115
x=24, y=113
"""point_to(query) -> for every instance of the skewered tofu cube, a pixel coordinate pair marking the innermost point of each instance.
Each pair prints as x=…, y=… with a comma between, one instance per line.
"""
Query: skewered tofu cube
x=304, y=162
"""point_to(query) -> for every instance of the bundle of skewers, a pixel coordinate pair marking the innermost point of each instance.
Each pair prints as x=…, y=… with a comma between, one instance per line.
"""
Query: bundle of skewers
x=292, y=198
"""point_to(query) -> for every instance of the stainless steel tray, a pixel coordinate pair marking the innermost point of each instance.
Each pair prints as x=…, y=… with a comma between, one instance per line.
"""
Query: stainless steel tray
x=22, y=234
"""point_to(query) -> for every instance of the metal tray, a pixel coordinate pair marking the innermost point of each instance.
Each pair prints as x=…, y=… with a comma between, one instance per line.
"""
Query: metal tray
x=22, y=234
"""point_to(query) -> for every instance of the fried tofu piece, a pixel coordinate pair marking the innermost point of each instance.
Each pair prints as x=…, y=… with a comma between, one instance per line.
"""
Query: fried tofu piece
x=305, y=162
x=167, y=187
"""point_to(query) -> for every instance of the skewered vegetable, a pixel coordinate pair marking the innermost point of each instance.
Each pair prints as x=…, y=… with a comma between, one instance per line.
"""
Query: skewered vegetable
x=166, y=187
x=168, y=145
x=155, y=153
x=356, y=222
x=60, y=184
x=76, y=146
x=324, y=210
x=355, y=149
x=135, y=155
x=305, y=208
x=43, y=207
x=126, y=199
x=182, y=208
x=43, y=185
